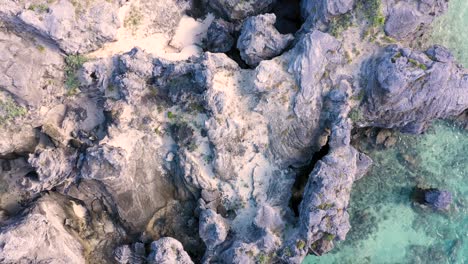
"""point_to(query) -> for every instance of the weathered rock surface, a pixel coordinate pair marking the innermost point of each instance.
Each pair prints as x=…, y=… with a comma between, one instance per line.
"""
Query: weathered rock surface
x=409, y=89
x=219, y=37
x=259, y=40
x=240, y=9
x=199, y=157
x=167, y=250
x=438, y=199
x=326, y=9
x=74, y=26
x=406, y=18
x=52, y=229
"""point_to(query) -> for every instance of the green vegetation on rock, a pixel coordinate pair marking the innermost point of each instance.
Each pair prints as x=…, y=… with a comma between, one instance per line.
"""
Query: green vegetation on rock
x=9, y=110
x=73, y=64
x=340, y=23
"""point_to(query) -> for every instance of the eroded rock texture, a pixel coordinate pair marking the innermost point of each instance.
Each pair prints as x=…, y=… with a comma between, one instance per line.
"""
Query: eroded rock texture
x=177, y=154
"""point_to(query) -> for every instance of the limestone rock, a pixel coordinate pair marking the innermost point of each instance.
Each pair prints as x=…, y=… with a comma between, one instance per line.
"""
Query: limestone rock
x=219, y=37
x=240, y=9
x=167, y=250
x=326, y=9
x=259, y=39
x=410, y=90
x=75, y=26
x=405, y=18
x=213, y=228
x=438, y=199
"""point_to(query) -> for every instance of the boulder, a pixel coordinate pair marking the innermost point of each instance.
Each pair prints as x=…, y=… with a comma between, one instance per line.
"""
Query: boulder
x=219, y=37
x=438, y=199
x=213, y=228
x=259, y=40
x=168, y=250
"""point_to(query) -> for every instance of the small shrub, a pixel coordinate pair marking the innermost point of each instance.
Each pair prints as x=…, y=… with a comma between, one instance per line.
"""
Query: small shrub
x=72, y=64
x=339, y=24
x=325, y=206
x=328, y=237
x=263, y=259
x=39, y=8
x=355, y=115
x=171, y=115
x=133, y=19
x=300, y=244
x=9, y=110
x=40, y=48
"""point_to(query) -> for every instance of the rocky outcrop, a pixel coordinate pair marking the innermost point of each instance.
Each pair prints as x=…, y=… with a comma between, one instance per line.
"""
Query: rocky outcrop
x=74, y=26
x=406, y=18
x=410, y=88
x=259, y=40
x=240, y=9
x=53, y=228
x=195, y=155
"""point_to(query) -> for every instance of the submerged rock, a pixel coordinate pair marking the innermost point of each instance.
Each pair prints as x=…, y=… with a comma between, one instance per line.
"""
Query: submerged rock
x=438, y=199
x=259, y=40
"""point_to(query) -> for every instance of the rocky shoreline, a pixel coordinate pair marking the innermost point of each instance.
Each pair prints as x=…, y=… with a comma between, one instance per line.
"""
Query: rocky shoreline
x=223, y=136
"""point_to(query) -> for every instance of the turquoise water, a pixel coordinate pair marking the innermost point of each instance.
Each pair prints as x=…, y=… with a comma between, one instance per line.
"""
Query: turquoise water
x=386, y=226
x=451, y=30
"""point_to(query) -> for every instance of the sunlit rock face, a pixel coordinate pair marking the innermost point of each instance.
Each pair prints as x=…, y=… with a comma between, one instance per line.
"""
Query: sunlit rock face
x=195, y=132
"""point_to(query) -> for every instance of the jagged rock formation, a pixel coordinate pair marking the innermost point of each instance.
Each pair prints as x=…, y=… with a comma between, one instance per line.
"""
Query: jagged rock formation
x=411, y=88
x=406, y=18
x=240, y=9
x=75, y=26
x=259, y=40
x=161, y=157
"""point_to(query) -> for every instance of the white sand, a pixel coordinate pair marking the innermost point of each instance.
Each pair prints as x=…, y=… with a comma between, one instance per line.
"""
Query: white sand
x=182, y=46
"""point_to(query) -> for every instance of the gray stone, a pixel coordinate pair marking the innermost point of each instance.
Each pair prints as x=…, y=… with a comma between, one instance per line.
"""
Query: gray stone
x=240, y=9
x=259, y=39
x=326, y=9
x=213, y=228
x=438, y=199
x=410, y=90
x=406, y=18
x=167, y=250
x=219, y=37
x=75, y=26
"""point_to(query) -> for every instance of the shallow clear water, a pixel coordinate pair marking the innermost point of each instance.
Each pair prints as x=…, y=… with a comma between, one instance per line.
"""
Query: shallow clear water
x=451, y=30
x=386, y=226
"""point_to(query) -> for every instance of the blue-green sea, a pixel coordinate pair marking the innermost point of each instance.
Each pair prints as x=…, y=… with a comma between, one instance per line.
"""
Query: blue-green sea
x=386, y=226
